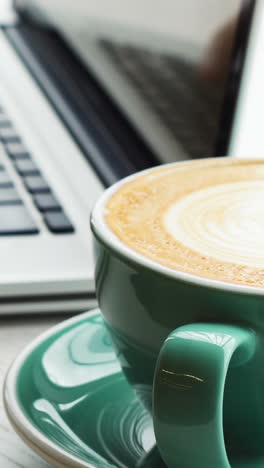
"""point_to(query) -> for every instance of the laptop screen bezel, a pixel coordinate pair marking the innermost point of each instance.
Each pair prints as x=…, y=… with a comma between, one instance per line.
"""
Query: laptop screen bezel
x=235, y=75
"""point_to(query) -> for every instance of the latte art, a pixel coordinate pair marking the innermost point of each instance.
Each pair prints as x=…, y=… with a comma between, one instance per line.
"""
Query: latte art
x=202, y=217
x=225, y=222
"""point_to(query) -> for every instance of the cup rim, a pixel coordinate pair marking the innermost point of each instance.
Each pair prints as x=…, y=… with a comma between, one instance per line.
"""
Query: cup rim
x=109, y=238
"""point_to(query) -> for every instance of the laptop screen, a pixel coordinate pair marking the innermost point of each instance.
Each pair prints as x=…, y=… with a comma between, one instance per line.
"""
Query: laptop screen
x=172, y=67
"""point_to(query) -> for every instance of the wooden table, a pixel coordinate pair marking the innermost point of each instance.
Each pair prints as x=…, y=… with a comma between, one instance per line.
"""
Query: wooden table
x=15, y=334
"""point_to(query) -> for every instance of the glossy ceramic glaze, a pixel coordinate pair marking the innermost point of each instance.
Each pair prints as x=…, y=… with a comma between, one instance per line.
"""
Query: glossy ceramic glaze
x=198, y=363
x=67, y=397
x=141, y=309
x=222, y=414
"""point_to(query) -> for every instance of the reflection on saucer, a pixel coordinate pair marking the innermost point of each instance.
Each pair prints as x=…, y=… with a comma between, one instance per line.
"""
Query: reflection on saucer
x=71, y=389
x=86, y=345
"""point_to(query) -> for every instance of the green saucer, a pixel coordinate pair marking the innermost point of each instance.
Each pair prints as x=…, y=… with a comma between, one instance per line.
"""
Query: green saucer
x=68, y=399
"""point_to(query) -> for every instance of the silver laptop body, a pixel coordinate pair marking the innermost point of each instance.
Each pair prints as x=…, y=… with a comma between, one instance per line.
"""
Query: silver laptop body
x=44, y=271
x=147, y=59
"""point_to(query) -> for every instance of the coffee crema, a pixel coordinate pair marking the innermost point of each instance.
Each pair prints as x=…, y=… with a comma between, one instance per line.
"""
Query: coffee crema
x=202, y=217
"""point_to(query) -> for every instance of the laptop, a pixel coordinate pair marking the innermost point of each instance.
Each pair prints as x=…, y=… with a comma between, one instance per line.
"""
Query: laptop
x=91, y=93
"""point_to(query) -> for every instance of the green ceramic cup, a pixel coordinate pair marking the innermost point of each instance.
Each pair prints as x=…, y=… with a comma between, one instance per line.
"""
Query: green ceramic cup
x=192, y=348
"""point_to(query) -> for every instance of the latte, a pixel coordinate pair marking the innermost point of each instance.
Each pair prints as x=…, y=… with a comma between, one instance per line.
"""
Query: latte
x=202, y=217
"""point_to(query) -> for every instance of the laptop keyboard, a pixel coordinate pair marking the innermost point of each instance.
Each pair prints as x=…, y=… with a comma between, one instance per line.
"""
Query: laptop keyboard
x=15, y=216
x=188, y=106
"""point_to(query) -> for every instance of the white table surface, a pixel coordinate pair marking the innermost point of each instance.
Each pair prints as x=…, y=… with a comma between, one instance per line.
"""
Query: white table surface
x=15, y=334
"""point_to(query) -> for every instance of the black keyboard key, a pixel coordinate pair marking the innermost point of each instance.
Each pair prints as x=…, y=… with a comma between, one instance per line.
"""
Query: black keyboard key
x=36, y=184
x=9, y=135
x=9, y=196
x=58, y=222
x=46, y=202
x=26, y=167
x=17, y=151
x=16, y=220
x=5, y=180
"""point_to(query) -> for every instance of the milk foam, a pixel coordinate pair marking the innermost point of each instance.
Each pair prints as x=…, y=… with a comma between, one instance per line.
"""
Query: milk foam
x=225, y=222
x=202, y=217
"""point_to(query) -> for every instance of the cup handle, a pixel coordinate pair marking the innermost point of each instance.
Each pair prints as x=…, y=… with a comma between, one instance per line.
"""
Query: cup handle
x=188, y=395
